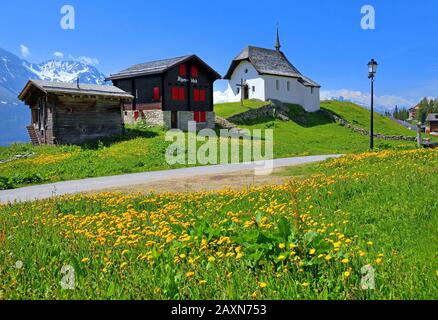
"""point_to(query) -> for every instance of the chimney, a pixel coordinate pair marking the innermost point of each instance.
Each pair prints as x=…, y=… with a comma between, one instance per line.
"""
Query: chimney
x=77, y=83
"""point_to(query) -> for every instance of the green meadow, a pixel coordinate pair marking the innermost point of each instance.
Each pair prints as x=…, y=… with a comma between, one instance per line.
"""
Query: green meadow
x=143, y=149
x=360, y=227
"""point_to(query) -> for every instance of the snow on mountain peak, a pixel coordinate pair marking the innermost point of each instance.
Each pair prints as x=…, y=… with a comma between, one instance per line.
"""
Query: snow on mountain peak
x=66, y=71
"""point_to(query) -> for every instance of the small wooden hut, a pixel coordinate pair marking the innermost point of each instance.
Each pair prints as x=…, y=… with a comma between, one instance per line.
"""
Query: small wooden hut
x=73, y=113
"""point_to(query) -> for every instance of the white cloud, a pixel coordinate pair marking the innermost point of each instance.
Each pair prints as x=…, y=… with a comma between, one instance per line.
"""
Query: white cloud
x=220, y=96
x=387, y=102
x=86, y=60
x=25, y=52
x=58, y=55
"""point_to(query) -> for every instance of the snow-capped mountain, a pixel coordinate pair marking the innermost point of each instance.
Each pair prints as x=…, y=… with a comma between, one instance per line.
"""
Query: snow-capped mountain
x=66, y=71
x=16, y=72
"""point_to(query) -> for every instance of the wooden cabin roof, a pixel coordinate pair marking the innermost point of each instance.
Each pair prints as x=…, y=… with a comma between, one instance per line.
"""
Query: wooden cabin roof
x=63, y=88
x=158, y=67
x=432, y=117
x=270, y=62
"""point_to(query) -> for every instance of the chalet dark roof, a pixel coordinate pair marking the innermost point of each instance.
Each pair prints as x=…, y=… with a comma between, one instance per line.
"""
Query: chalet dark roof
x=270, y=62
x=157, y=67
x=73, y=89
x=432, y=117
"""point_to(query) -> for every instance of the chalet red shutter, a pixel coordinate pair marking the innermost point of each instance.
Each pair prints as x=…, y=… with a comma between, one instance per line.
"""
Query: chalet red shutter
x=182, y=94
x=175, y=93
x=182, y=70
x=203, y=117
x=196, y=95
x=202, y=95
x=157, y=94
x=196, y=116
x=194, y=71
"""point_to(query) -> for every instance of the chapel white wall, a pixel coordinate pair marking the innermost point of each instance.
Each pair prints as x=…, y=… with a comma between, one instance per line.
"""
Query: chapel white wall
x=251, y=78
x=297, y=94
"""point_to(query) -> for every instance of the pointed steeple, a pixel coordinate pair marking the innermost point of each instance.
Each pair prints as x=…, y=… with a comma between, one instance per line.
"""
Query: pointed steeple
x=277, y=44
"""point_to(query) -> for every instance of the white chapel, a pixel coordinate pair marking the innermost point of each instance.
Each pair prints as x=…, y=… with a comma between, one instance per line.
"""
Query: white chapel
x=267, y=74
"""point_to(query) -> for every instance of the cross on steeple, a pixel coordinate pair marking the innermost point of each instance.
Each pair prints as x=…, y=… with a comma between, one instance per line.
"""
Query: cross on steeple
x=277, y=44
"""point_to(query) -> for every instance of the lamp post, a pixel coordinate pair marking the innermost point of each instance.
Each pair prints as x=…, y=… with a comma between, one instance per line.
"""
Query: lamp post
x=372, y=69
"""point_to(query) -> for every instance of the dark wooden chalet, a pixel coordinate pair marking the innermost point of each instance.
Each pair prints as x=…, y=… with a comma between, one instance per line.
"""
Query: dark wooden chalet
x=65, y=113
x=169, y=92
x=432, y=123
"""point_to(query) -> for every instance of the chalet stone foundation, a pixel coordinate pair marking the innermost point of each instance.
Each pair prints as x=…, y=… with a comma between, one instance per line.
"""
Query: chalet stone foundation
x=164, y=118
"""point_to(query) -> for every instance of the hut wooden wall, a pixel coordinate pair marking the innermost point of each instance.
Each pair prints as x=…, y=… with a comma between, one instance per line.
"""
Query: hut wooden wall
x=80, y=119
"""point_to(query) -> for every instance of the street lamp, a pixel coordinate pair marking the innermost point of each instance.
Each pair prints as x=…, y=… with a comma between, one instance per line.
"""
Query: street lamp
x=372, y=69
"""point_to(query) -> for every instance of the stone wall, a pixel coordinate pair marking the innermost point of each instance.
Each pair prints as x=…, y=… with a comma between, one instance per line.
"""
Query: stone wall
x=164, y=118
x=151, y=117
x=365, y=132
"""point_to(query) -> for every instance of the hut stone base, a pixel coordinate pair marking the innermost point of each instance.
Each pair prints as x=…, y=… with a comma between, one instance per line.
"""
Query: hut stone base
x=164, y=118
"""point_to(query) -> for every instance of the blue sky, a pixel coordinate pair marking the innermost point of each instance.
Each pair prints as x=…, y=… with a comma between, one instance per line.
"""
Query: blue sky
x=323, y=38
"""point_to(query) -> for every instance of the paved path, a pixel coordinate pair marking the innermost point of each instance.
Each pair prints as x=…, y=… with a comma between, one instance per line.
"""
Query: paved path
x=95, y=184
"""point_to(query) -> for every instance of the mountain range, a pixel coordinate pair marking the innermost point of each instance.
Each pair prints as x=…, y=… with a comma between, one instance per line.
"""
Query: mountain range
x=16, y=72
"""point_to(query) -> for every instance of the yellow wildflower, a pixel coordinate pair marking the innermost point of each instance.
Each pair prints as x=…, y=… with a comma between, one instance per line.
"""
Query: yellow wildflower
x=312, y=251
x=263, y=285
x=190, y=274
x=282, y=246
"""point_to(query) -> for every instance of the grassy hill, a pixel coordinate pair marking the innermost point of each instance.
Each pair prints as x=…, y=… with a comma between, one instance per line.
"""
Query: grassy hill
x=360, y=117
x=227, y=110
x=144, y=150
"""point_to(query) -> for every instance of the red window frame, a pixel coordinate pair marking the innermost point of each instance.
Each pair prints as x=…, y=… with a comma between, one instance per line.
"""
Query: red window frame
x=196, y=95
x=175, y=94
x=200, y=116
x=195, y=71
x=182, y=70
x=157, y=95
x=202, y=95
x=181, y=93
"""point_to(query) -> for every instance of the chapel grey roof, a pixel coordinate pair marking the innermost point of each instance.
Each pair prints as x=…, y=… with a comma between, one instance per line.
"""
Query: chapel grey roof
x=73, y=88
x=271, y=62
x=432, y=117
x=156, y=67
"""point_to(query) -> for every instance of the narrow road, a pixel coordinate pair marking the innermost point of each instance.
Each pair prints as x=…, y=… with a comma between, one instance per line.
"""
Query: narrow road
x=102, y=183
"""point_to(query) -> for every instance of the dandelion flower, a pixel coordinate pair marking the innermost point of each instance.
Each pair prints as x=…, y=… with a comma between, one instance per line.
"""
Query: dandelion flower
x=345, y=261
x=378, y=261
x=124, y=264
x=281, y=257
x=263, y=285
x=211, y=259
x=370, y=243
x=201, y=282
x=312, y=251
x=190, y=274
x=328, y=257
x=347, y=274
x=85, y=260
x=282, y=246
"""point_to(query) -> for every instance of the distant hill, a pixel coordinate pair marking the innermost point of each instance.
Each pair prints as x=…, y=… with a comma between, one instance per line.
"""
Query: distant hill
x=14, y=74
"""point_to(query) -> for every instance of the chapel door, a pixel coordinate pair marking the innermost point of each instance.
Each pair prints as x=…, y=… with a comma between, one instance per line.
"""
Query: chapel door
x=246, y=92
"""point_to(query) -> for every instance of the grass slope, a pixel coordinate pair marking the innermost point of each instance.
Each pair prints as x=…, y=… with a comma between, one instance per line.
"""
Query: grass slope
x=308, y=239
x=226, y=110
